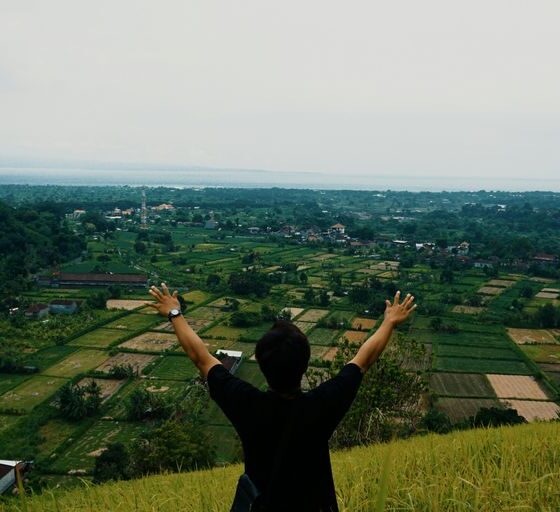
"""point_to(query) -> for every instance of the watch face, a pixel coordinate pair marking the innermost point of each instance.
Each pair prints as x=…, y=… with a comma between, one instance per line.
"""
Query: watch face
x=174, y=312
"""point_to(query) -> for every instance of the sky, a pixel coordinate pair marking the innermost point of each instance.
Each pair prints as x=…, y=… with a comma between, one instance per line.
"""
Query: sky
x=438, y=88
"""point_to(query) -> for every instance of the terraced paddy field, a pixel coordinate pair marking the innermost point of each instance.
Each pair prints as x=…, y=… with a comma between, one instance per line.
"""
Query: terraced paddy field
x=8, y=421
x=126, y=304
x=137, y=361
x=320, y=336
x=524, y=336
x=313, y=315
x=461, y=385
x=463, y=364
x=177, y=367
x=100, y=338
x=543, y=353
x=459, y=409
x=46, y=357
x=517, y=386
x=175, y=390
x=134, y=322
x=533, y=410
x=78, y=362
x=151, y=342
x=10, y=380
x=363, y=324
x=31, y=392
x=80, y=455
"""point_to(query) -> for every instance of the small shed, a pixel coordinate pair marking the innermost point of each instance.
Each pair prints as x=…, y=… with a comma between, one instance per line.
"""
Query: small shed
x=37, y=311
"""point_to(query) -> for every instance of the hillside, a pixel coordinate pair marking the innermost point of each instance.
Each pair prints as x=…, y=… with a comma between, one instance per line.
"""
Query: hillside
x=486, y=470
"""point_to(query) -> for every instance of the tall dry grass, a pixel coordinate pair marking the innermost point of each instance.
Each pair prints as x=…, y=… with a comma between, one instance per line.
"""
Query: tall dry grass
x=515, y=468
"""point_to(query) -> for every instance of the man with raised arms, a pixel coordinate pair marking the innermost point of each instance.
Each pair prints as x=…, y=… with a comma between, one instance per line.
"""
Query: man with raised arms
x=284, y=431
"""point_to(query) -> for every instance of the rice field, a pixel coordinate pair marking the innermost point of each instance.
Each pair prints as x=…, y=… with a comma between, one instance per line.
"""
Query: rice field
x=100, y=338
x=461, y=385
x=456, y=472
x=31, y=393
x=151, y=342
x=516, y=386
x=77, y=362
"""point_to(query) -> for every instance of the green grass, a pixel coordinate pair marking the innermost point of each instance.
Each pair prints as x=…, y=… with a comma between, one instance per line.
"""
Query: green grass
x=514, y=468
x=31, y=392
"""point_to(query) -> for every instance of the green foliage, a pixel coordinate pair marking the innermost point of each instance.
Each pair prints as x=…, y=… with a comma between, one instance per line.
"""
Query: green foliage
x=247, y=283
x=112, y=464
x=174, y=446
x=142, y=404
x=77, y=402
x=495, y=417
x=388, y=401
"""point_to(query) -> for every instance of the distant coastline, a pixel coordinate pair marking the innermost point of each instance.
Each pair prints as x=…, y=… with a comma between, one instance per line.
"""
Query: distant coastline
x=233, y=178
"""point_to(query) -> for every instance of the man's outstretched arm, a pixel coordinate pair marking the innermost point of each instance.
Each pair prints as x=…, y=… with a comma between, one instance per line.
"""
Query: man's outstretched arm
x=395, y=313
x=189, y=340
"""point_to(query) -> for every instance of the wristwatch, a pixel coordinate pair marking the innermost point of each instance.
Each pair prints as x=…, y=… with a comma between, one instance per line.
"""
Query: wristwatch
x=173, y=314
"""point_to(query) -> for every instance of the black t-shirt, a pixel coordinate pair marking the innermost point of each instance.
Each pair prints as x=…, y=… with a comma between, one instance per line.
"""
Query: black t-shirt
x=304, y=479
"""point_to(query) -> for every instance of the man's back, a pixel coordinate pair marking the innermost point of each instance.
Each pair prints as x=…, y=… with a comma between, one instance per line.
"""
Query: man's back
x=287, y=438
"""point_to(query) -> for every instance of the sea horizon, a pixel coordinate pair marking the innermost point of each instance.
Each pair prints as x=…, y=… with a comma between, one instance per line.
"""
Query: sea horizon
x=247, y=178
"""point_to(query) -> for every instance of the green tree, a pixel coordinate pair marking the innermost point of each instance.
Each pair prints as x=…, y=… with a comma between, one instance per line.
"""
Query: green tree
x=174, y=446
x=112, y=464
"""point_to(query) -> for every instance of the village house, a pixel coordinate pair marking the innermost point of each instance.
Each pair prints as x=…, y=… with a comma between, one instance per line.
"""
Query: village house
x=8, y=470
x=63, y=306
x=337, y=229
x=93, y=279
x=546, y=260
x=36, y=311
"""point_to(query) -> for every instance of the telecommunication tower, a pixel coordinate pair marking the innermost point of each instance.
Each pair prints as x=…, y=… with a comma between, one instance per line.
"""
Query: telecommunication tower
x=144, y=212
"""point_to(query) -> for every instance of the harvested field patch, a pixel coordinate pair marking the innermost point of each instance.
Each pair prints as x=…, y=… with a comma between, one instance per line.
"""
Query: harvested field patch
x=133, y=322
x=419, y=363
x=461, y=384
x=100, y=338
x=137, y=361
x=363, y=324
x=387, y=275
x=532, y=410
x=490, y=290
x=124, y=304
x=224, y=301
x=522, y=336
x=31, y=392
x=386, y=265
x=78, y=362
x=550, y=367
x=330, y=354
x=516, y=386
x=459, y=409
x=294, y=312
x=322, y=257
x=544, y=280
x=354, y=336
x=468, y=310
x=304, y=327
x=501, y=283
x=108, y=386
x=551, y=290
x=151, y=342
x=546, y=295
x=313, y=315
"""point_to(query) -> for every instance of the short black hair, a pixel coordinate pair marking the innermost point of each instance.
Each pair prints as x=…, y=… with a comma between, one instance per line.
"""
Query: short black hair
x=283, y=355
